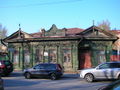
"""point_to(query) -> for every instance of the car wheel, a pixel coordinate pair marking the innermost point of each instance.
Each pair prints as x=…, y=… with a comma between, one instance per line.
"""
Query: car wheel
x=89, y=77
x=119, y=77
x=27, y=75
x=53, y=76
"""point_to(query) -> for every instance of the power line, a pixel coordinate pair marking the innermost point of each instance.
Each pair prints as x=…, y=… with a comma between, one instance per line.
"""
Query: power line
x=42, y=3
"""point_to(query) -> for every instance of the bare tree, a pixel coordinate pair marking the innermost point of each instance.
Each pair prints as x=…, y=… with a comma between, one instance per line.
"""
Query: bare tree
x=105, y=25
x=3, y=32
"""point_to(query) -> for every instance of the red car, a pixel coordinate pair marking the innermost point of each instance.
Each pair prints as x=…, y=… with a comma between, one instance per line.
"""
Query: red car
x=6, y=67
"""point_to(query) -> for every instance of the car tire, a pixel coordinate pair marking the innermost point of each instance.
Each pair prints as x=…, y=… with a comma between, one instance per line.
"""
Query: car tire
x=89, y=77
x=27, y=75
x=119, y=77
x=53, y=76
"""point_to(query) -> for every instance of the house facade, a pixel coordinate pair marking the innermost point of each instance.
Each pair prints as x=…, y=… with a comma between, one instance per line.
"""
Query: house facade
x=73, y=48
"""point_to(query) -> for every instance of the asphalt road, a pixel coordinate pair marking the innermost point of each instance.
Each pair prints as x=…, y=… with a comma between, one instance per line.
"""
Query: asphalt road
x=16, y=81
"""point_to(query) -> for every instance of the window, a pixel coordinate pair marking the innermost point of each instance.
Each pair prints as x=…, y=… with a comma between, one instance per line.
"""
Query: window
x=37, y=67
x=50, y=66
x=104, y=66
x=52, y=55
x=67, y=55
x=115, y=65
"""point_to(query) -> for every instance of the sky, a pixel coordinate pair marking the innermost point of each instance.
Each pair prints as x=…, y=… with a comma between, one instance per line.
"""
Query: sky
x=33, y=15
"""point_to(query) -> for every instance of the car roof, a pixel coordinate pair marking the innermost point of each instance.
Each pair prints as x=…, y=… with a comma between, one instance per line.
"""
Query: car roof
x=47, y=64
x=113, y=62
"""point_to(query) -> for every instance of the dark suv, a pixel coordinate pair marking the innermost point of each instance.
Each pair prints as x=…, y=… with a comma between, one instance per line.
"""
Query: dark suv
x=53, y=71
x=6, y=67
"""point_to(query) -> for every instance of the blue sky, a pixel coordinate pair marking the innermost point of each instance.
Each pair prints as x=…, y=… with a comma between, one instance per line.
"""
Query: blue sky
x=36, y=14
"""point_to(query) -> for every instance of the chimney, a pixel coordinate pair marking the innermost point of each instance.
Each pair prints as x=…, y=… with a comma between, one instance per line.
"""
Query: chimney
x=65, y=30
x=43, y=32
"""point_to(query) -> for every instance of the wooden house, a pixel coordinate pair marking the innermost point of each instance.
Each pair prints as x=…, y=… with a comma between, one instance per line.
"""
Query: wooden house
x=73, y=48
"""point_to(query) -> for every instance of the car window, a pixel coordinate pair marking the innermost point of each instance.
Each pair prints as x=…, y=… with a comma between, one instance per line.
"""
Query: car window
x=50, y=66
x=45, y=66
x=37, y=67
x=115, y=65
x=42, y=66
x=104, y=66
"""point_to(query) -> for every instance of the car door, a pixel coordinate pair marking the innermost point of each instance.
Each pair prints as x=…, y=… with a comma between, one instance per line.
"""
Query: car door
x=42, y=70
x=114, y=70
x=102, y=71
x=47, y=69
x=36, y=70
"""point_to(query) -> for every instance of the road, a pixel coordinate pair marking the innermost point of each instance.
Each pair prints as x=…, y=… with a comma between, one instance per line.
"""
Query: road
x=16, y=81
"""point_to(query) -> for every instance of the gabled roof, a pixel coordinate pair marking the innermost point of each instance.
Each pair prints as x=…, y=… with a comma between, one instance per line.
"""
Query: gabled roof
x=95, y=31
x=18, y=35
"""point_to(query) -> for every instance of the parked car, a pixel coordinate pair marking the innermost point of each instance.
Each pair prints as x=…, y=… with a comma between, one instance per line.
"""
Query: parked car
x=6, y=67
x=54, y=71
x=108, y=70
x=112, y=86
x=1, y=84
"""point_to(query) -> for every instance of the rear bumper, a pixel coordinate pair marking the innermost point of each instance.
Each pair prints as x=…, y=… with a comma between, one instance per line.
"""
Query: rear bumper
x=5, y=71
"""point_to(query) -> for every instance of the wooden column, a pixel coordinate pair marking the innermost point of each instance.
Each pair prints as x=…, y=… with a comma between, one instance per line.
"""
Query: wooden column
x=60, y=55
x=19, y=56
x=11, y=56
x=43, y=50
x=31, y=55
x=72, y=55
x=23, y=57
x=34, y=51
x=75, y=57
x=57, y=52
